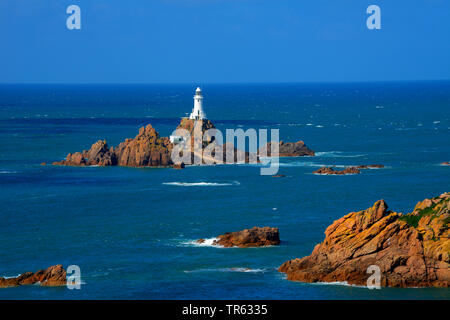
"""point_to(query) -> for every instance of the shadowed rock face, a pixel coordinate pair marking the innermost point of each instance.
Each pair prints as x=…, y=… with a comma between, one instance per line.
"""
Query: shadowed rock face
x=146, y=149
x=288, y=149
x=411, y=250
x=52, y=276
x=255, y=237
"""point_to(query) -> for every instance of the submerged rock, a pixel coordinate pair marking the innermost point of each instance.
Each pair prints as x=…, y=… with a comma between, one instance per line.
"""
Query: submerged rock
x=50, y=277
x=411, y=250
x=287, y=149
x=255, y=237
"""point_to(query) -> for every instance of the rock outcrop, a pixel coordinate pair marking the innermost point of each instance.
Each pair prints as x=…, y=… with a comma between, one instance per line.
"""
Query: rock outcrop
x=411, y=250
x=347, y=170
x=287, y=149
x=445, y=163
x=50, y=277
x=146, y=149
x=255, y=237
x=332, y=171
x=203, y=145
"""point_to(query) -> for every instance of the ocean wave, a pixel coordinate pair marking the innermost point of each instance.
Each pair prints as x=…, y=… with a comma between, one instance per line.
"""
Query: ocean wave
x=338, y=283
x=207, y=243
x=312, y=164
x=337, y=154
x=238, y=269
x=202, y=184
x=7, y=172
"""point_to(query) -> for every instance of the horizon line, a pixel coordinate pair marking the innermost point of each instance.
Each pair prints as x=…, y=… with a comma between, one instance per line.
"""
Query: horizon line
x=201, y=83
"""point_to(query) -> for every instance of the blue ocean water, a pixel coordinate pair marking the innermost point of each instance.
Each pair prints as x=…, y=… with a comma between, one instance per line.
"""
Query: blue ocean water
x=130, y=229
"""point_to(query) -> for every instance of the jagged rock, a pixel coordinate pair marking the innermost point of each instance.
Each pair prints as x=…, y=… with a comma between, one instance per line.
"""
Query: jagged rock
x=287, y=149
x=255, y=237
x=330, y=170
x=146, y=149
x=52, y=276
x=411, y=250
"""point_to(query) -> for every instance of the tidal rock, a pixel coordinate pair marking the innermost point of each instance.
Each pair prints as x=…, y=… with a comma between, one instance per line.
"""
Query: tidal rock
x=255, y=237
x=278, y=176
x=145, y=150
x=411, y=250
x=50, y=277
x=332, y=171
x=445, y=163
x=287, y=149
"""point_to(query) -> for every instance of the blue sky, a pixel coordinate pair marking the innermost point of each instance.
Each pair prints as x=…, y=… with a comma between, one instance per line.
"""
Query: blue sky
x=223, y=41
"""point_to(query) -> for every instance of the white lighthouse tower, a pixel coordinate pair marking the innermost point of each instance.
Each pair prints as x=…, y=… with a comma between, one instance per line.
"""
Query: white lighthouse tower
x=197, y=113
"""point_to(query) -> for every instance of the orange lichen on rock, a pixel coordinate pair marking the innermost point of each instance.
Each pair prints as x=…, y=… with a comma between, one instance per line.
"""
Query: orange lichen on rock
x=411, y=250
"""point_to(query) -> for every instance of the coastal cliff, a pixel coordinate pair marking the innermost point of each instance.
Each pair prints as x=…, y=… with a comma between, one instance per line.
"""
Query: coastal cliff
x=411, y=250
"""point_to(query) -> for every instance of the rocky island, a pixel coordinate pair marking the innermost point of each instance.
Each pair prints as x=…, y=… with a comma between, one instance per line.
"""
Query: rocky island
x=50, y=277
x=255, y=237
x=411, y=250
x=149, y=149
x=332, y=171
x=445, y=163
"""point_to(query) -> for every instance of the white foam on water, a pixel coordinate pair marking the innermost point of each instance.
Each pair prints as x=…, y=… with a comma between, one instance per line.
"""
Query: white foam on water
x=239, y=269
x=7, y=172
x=312, y=164
x=338, y=283
x=337, y=154
x=201, y=184
x=10, y=277
x=207, y=243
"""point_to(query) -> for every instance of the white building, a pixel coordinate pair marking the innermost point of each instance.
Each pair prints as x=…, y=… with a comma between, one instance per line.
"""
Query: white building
x=198, y=113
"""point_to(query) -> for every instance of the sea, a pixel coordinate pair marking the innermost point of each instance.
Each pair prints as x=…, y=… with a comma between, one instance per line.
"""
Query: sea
x=132, y=231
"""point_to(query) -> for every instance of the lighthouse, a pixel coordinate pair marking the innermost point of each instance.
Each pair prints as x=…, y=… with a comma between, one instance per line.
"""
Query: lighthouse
x=197, y=113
